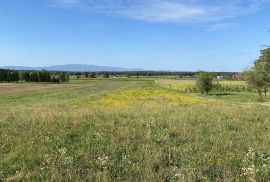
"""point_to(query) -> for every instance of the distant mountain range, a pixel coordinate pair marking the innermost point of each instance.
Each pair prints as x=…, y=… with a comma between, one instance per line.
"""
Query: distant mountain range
x=72, y=67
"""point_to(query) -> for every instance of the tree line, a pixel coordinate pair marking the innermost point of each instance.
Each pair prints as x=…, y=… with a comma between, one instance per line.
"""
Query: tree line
x=33, y=76
x=107, y=74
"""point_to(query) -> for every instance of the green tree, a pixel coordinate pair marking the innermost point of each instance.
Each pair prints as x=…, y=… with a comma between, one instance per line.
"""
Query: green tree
x=92, y=75
x=63, y=77
x=22, y=75
x=86, y=74
x=106, y=75
x=259, y=75
x=27, y=76
x=78, y=74
x=255, y=79
x=33, y=76
x=205, y=82
x=55, y=79
x=264, y=60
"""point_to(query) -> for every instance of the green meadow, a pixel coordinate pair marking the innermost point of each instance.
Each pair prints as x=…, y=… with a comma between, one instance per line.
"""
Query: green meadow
x=132, y=130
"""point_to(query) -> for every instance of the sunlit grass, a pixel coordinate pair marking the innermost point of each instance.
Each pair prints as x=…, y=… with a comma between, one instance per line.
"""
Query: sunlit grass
x=163, y=97
x=189, y=86
x=131, y=131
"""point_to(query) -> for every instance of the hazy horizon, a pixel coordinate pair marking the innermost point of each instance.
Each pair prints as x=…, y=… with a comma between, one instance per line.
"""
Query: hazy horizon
x=127, y=68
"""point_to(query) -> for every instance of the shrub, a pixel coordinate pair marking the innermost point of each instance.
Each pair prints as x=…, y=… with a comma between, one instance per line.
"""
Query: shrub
x=205, y=82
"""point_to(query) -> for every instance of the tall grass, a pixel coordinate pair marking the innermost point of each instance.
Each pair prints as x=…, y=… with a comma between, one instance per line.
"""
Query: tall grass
x=189, y=86
x=131, y=131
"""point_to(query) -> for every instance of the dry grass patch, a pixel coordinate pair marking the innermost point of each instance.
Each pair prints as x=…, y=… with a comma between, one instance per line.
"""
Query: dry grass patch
x=8, y=89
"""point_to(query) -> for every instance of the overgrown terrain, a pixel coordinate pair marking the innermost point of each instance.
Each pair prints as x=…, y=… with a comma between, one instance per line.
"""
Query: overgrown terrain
x=113, y=130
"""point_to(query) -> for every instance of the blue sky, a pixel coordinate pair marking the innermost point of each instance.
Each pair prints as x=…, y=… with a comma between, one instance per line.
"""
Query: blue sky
x=184, y=35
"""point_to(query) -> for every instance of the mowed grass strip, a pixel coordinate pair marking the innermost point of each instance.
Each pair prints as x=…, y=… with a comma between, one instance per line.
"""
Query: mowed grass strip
x=7, y=89
x=89, y=89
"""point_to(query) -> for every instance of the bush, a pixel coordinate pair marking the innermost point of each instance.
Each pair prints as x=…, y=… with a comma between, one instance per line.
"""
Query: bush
x=205, y=82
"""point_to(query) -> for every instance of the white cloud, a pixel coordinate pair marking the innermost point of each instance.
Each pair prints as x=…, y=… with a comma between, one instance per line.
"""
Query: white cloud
x=167, y=10
x=221, y=26
x=162, y=11
x=67, y=3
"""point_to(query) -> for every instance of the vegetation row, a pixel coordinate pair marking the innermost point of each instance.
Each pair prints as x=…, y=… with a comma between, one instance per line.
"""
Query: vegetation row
x=257, y=78
x=33, y=76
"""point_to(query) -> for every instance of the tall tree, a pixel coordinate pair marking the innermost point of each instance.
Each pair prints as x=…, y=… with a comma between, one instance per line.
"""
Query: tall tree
x=264, y=60
x=259, y=76
x=256, y=78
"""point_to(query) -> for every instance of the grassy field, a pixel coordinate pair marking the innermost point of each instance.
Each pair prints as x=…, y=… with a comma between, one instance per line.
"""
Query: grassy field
x=225, y=91
x=189, y=86
x=120, y=130
x=9, y=89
